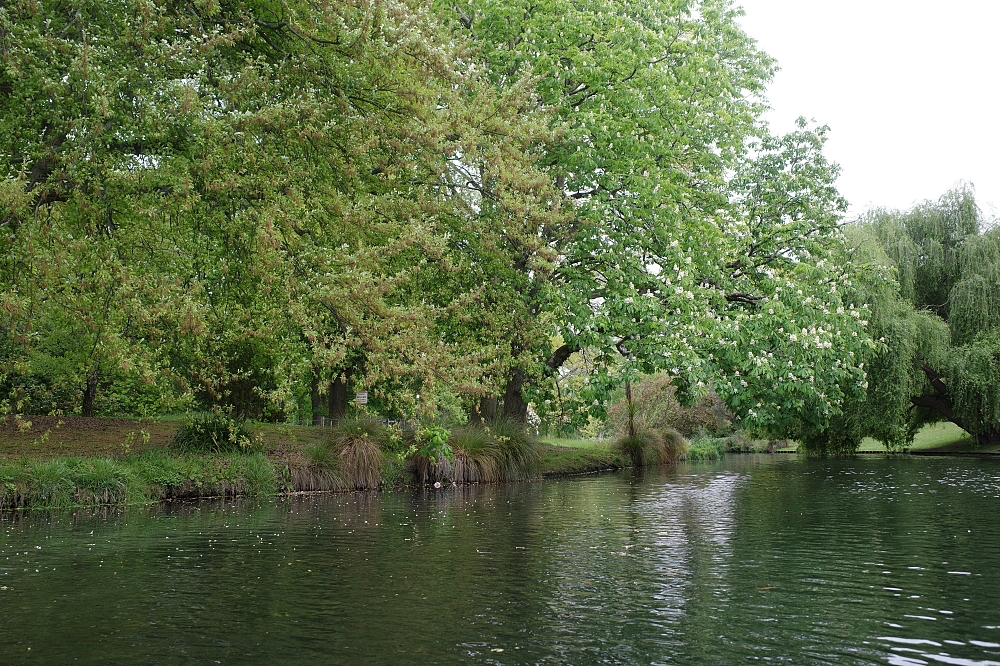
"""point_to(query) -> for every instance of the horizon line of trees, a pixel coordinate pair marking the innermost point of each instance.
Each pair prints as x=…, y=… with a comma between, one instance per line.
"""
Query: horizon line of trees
x=265, y=206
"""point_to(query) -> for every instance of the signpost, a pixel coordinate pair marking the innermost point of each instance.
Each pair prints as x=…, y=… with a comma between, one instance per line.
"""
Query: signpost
x=361, y=398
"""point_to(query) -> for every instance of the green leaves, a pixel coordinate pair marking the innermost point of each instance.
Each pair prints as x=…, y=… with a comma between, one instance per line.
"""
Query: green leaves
x=936, y=359
x=248, y=205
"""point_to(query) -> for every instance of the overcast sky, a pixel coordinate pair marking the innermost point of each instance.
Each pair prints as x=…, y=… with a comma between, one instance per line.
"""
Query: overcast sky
x=909, y=88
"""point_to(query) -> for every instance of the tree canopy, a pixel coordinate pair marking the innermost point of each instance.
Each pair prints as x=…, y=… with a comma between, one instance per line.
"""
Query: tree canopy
x=263, y=206
x=935, y=319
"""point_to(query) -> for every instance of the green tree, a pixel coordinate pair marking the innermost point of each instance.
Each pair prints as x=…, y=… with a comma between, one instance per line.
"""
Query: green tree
x=701, y=243
x=940, y=327
x=236, y=201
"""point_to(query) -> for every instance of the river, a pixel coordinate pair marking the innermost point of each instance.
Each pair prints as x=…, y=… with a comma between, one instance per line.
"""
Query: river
x=753, y=559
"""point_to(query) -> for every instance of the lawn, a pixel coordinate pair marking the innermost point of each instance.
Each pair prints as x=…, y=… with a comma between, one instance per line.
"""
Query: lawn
x=47, y=437
x=564, y=456
x=576, y=442
x=938, y=437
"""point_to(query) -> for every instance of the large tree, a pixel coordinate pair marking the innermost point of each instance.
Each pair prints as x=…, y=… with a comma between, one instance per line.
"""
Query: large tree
x=938, y=324
x=232, y=201
x=701, y=244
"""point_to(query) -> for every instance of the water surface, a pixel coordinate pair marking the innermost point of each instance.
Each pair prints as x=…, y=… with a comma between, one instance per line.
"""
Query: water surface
x=755, y=559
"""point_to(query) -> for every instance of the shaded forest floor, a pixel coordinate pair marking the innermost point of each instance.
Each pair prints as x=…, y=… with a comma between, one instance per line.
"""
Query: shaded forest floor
x=46, y=437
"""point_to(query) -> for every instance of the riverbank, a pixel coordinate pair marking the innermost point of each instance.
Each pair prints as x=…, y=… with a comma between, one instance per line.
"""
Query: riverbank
x=49, y=462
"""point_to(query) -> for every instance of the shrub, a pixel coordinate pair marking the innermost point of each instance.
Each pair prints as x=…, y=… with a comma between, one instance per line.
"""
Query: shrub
x=741, y=442
x=657, y=407
x=434, y=443
x=704, y=447
x=213, y=432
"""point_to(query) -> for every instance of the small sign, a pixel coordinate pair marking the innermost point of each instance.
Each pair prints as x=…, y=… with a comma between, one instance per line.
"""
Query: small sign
x=361, y=398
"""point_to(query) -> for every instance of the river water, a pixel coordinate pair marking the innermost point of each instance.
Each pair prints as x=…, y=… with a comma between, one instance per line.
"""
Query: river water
x=753, y=559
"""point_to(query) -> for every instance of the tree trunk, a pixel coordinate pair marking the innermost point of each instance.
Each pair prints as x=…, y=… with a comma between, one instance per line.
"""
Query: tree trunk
x=316, y=401
x=89, y=393
x=631, y=408
x=484, y=411
x=337, y=405
x=514, y=406
x=991, y=438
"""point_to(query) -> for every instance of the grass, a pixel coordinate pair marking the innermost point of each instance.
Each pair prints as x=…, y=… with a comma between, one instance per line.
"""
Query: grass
x=112, y=464
x=50, y=437
x=943, y=437
x=574, y=442
x=566, y=460
x=133, y=479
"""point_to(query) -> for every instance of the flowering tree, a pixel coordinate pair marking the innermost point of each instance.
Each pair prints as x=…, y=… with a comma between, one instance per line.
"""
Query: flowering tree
x=227, y=202
x=703, y=245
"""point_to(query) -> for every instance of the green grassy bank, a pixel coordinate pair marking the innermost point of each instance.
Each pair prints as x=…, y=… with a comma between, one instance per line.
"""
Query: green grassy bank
x=47, y=462
x=55, y=463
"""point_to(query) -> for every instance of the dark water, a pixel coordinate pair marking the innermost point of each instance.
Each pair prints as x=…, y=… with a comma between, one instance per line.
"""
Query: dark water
x=750, y=560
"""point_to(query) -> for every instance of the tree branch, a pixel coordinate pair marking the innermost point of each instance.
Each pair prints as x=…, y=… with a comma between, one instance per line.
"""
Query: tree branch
x=560, y=356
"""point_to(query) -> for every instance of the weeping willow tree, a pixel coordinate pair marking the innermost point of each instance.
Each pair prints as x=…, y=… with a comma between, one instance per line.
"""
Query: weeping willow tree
x=936, y=313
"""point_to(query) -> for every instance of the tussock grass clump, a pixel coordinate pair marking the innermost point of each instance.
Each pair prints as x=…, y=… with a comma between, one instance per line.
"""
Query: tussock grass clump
x=641, y=448
x=646, y=447
x=474, y=458
x=675, y=446
x=518, y=452
x=102, y=481
x=352, y=456
x=499, y=452
x=212, y=432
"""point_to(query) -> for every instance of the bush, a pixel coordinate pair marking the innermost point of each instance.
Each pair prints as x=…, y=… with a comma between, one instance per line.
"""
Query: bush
x=704, y=447
x=657, y=408
x=213, y=432
x=741, y=442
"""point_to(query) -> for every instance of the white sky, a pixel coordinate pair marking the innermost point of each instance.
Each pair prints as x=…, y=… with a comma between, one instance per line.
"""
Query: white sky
x=909, y=88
